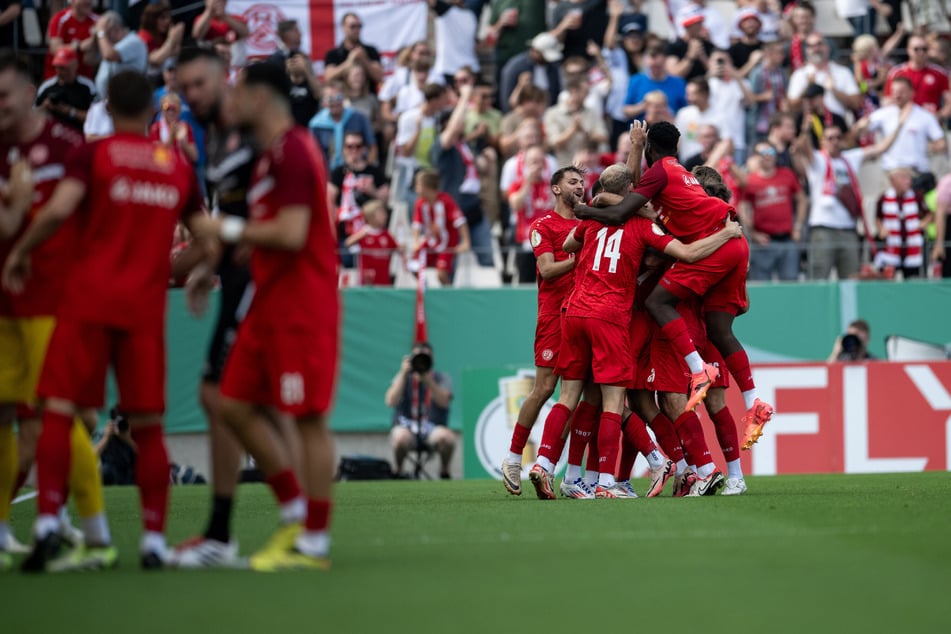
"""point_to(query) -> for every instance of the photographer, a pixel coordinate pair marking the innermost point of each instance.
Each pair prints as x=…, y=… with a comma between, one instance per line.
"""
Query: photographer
x=116, y=451
x=420, y=399
x=853, y=345
x=67, y=96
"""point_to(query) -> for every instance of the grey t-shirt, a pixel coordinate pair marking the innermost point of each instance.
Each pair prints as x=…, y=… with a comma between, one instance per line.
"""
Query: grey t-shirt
x=134, y=55
x=423, y=406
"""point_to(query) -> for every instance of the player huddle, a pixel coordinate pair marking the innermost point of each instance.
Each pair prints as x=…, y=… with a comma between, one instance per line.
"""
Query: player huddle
x=86, y=232
x=636, y=303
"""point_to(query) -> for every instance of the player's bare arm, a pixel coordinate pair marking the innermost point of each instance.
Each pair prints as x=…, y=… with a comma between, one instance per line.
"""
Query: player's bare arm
x=606, y=199
x=16, y=197
x=572, y=243
x=638, y=136
x=286, y=232
x=615, y=214
x=702, y=248
x=874, y=151
x=549, y=269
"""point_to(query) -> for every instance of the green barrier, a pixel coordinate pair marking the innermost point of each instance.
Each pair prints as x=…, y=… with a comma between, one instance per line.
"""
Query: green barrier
x=473, y=329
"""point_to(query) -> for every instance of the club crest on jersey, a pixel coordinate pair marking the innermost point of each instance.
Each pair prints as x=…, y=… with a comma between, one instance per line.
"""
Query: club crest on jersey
x=535, y=238
x=39, y=154
x=547, y=354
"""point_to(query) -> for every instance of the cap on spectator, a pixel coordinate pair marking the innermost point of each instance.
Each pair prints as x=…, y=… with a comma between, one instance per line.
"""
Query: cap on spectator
x=632, y=28
x=813, y=90
x=169, y=64
x=64, y=56
x=690, y=15
x=548, y=45
x=749, y=13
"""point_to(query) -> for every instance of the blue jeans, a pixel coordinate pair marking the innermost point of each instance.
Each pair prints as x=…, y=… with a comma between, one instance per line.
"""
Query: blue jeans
x=779, y=256
x=864, y=24
x=481, y=235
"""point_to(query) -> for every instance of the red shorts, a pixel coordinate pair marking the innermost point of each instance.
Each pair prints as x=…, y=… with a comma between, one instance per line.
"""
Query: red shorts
x=597, y=348
x=440, y=261
x=643, y=328
x=668, y=370
x=80, y=354
x=547, y=340
x=292, y=371
x=719, y=278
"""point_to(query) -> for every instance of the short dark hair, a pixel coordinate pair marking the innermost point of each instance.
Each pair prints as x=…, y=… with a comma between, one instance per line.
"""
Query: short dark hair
x=903, y=79
x=272, y=76
x=129, y=94
x=701, y=84
x=286, y=26
x=428, y=178
x=191, y=53
x=9, y=60
x=712, y=182
x=532, y=93
x=560, y=173
x=433, y=91
x=861, y=324
x=663, y=136
x=805, y=4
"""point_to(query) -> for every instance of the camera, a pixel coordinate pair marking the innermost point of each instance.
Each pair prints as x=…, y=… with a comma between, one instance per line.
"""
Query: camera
x=122, y=423
x=421, y=361
x=851, y=347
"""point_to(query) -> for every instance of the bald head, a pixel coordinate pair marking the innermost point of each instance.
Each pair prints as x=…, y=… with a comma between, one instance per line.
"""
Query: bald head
x=617, y=179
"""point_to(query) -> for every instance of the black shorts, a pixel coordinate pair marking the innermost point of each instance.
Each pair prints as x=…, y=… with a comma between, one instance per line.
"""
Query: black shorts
x=236, y=294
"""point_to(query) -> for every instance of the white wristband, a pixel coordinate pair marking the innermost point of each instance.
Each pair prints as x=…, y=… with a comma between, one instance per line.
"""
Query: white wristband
x=232, y=228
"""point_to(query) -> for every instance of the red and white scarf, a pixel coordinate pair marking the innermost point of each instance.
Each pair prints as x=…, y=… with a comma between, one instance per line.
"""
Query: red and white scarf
x=898, y=213
x=471, y=183
x=830, y=186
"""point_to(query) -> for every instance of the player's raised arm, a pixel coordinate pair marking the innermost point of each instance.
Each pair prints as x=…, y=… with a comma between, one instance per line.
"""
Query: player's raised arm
x=615, y=214
x=702, y=248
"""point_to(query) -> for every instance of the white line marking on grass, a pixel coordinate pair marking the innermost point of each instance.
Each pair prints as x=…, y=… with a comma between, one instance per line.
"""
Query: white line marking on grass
x=24, y=497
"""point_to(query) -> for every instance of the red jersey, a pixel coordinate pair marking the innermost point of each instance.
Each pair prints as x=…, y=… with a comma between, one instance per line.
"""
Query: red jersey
x=221, y=30
x=375, y=249
x=294, y=290
x=160, y=131
x=438, y=222
x=52, y=260
x=606, y=271
x=548, y=236
x=682, y=205
x=929, y=84
x=772, y=200
x=136, y=192
x=65, y=26
x=538, y=203
x=151, y=43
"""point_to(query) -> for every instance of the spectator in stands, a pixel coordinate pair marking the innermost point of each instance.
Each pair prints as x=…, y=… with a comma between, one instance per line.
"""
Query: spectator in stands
x=780, y=134
x=529, y=197
x=67, y=96
x=768, y=84
x=730, y=96
x=411, y=95
x=358, y=93
x=594, y=72
x=98, y=122
x=289, y=41
x=654, y=77
x=373, y=245
x=162, y=38
x=511, y=24
x=841, y=92
x=746, y=51
x=353, y=184
x=74, y=27
x=420, y=398
x=456, y=27
x=305, y=88
x=334, y=121
x=483, y=122
x=216, y=25
x=622, y=56
x=801, y=24
x=900, y=216
x=579, y=22
x=930, y=82
x=9, y=16
x=773, y=208
x=853, y=345
x=532, y=103
x=540, y=62
x=870, y=65
x=120, y=48
x=859, y=13
x=715, y=27
x=529, y=135
x=657, y=108
x=416, y=130
x=568, y=125
x=353, y=52
x=695, y=115
x=942, y=208
x=688, y=56
x=403, y=75
x=171, y=86
x=708, y=136
x=815, y=111
x=440, y=231
x=171, y=131
x=768, y=20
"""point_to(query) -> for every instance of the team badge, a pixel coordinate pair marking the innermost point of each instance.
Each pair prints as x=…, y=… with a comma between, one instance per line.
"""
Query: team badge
x=536, y=238
x=547, y=354
x=39, y=154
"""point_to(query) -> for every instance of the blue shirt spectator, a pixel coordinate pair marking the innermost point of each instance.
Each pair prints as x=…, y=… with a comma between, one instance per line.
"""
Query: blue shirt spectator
x=336, y=120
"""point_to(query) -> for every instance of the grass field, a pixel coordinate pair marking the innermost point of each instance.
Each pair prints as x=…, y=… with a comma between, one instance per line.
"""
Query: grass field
x=796, y=554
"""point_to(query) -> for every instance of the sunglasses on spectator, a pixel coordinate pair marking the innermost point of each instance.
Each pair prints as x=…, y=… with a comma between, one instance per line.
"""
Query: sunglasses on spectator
x=355, y=25
x=814, y=44
x=833, y=137
x=169, y=106
x=920, y=49
x=766, y=151
x=353, y=146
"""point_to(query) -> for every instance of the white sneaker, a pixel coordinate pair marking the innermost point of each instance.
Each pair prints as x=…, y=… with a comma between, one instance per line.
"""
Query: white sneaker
x=734, y=486
x=577, y=490
x=13, y=546
x=628, y=491
x=205, y=553
x=706, y=486
x=512, y=476
x=71, y=535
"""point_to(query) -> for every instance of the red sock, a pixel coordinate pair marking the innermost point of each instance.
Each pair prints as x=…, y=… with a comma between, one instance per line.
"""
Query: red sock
x=636, y=433
x=53, y=462
x=628, y=456
x=519, y=438
x=151, y=475
x=20, y=481
x=676, y=333
x=739, y=365
x=284, y=485
x=552, y=440
x=318, y=515
x=581, y=425
x=727, y=434
x=609, y=440
x=691, y=433
x=667, y=437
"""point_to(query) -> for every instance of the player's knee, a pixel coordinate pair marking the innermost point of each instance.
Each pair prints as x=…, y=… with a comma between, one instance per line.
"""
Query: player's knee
x=545, y=387
x=716, y=400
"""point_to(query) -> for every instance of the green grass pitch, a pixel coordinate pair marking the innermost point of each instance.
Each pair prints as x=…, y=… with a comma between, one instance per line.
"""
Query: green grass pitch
x=796, y=554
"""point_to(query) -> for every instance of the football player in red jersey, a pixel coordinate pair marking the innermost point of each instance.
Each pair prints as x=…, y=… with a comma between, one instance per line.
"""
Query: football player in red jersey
x=128, y=193
x=688, y=212
x=285, y=356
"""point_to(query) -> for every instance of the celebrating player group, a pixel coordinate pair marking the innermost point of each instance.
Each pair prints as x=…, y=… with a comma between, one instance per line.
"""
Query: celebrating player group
x=85, y=233
x=636, y=301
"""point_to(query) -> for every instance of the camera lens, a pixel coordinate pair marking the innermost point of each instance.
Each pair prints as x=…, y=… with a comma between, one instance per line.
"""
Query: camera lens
x=421, y=362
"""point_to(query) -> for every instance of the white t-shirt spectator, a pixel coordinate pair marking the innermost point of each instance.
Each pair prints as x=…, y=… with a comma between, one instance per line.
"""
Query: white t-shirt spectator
x=842, y=78
x=511, y=167
x=406, y=128
x=98, y=121
x=403, y=76
x=133, y=54
x=726, y=102
x=407, y=98
x=689, y=121
x=712, y=20
x=851, y=8
x=769, y=26
x=825, y=210
x=910, y=148
x=455, y=40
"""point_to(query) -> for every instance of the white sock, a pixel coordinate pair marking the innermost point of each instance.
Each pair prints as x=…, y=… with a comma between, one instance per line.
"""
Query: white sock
x=606, y=480
x=749, y=397
x=545, y=464
x=591, y=479
x=153, y=542
x=734, y=470
x=572, y=473
x=694, y=362
x=681, y=466
x=655, y=459
x=45, y=525
x=96, y=530
x=514, y=457
x=314, y=543
x=294, y=511
x=704, y=471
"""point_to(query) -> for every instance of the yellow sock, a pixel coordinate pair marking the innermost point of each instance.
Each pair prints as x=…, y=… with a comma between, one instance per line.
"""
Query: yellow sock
x=84, y=480
x=8, y=469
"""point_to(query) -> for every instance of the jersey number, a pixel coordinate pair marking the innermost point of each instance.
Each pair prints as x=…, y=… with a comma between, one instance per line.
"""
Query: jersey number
x=609, y=248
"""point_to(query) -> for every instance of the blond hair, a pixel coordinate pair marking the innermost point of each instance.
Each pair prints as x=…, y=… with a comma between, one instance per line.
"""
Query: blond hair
x=617, y=178
x=371, y=207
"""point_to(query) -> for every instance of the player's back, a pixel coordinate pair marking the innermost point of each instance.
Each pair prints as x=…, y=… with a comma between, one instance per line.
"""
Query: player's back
x=684, y=207
x=294, y=289
x=136, y=192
